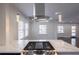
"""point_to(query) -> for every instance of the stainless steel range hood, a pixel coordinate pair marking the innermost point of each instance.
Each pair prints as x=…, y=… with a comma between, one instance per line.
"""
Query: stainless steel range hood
x=39, y=12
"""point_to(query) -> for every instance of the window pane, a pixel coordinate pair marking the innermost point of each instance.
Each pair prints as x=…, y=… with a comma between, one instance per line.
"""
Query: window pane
x=20, y=30
x=26, y=29
x=73, y=28
x=42, y=29
x=60, y=29
x=73, y=34
x=20, y=25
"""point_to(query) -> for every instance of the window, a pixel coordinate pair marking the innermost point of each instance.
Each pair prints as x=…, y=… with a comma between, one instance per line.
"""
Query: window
x=73, y=29
x=26, y=29
x=60, y=29
x=42, y=29
x=20, y=30
x=73, y=33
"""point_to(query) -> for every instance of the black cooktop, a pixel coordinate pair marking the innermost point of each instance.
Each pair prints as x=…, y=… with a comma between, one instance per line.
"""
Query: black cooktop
x=39, y=46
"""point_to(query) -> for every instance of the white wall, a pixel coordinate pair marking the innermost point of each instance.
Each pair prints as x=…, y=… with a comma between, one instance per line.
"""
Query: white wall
x=51, y=31
x=8, y=27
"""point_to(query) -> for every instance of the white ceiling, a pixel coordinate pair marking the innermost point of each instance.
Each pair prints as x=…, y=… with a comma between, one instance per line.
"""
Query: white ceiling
x=70, y=11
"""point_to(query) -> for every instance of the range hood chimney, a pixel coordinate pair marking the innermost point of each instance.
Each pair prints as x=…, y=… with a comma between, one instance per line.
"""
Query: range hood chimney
x=39, y=12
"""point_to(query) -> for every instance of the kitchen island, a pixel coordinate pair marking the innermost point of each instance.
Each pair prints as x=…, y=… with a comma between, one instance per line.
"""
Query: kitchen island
x=61, y=47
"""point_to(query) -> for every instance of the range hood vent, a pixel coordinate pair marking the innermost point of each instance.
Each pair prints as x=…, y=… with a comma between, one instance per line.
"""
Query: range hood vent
x=39, y=10
x=39, y=13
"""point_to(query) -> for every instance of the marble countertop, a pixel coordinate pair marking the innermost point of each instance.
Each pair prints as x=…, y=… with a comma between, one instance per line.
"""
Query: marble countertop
x=59, y=45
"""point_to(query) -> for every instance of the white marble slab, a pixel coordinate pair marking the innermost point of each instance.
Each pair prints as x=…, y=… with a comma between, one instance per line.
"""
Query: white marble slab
x=62, y=46
x=59, y=45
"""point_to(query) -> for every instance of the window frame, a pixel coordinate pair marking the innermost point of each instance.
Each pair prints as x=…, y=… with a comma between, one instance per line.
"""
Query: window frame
x=42, y=29
x=60, y=29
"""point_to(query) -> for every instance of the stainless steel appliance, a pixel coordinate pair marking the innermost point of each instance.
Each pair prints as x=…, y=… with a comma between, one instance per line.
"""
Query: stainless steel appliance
x=38, y=48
